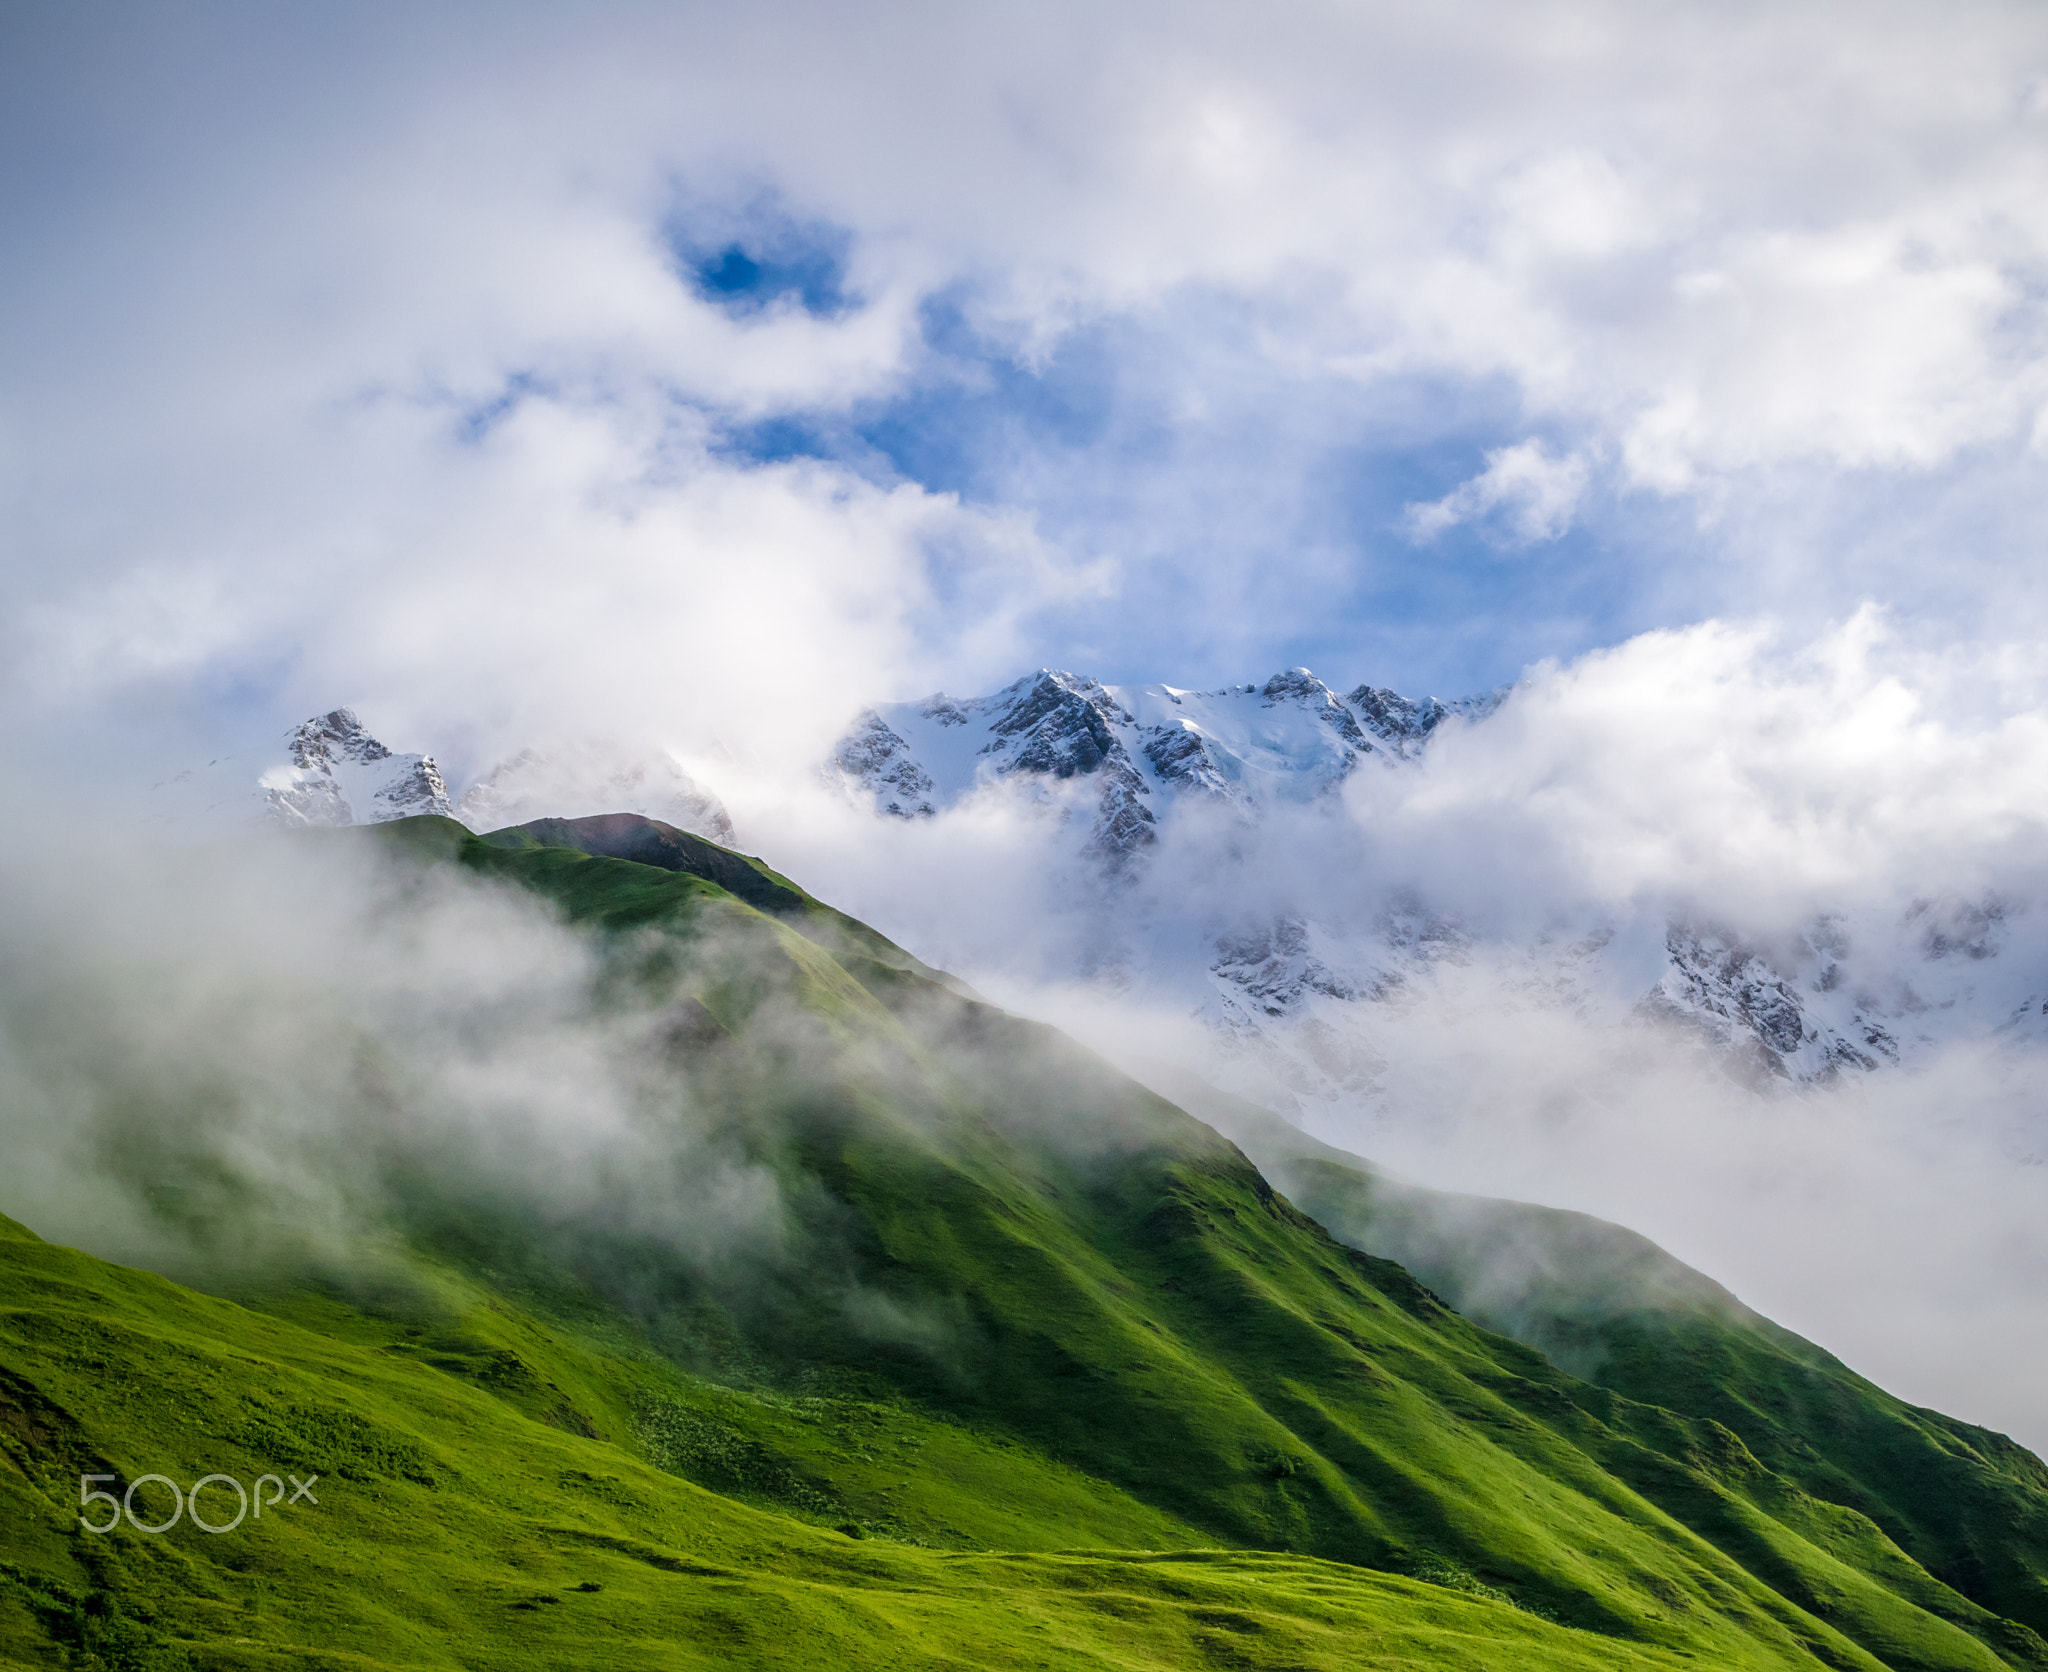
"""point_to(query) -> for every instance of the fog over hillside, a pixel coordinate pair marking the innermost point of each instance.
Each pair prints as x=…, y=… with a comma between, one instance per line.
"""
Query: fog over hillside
x=624, y=405
x=1518, y=890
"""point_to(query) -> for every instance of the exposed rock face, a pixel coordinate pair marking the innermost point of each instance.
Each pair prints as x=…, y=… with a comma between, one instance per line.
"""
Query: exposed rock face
x=339, y=774
x=1797, y=1012
x=332, y=738
x=1180, y=756
x=1304, y=998
x=1736, y=1000
x=1404, y=725
x=873, y=755
x=1116, y=756
x=1275, y=968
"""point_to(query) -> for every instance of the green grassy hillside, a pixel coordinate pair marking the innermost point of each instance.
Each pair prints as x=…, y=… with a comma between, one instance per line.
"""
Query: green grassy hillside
x=1036, y=1370
x=1969, y=1504
x=454, y=1529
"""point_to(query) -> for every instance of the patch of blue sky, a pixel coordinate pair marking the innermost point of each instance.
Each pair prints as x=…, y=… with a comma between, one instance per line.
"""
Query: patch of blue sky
x=1255, y=518
x=1470, y=607
x=969, y=417
x=981, y=402
x=763, y=257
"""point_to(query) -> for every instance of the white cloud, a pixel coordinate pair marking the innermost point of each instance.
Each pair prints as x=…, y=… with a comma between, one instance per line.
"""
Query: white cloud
x=1526, y=494
x=1720, y=765
x=1715, y=245
x=1723, y=771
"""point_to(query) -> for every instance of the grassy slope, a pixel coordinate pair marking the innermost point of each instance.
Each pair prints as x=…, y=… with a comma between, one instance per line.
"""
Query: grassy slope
x=1837, y=1565
x=1124, y=1338
x=1970, y=1505
x=453, y=1530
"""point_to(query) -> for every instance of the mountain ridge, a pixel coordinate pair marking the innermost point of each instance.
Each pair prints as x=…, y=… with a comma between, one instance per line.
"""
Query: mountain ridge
x=1302, y=996
x=1292, y=737
x=331, y=772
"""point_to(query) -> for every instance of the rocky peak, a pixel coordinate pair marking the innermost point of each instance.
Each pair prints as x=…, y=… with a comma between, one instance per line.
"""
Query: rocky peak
x=332, y=737
x=1139, y=747
x=872, y=754
x=1394, y=717
x=1060, y=725
x=1299, y=686
x=339, y=774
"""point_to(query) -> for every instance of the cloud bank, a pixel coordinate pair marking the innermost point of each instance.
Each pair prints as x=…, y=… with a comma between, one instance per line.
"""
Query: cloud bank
x=731, y=366
x=215, y=1059
x=1852, y=786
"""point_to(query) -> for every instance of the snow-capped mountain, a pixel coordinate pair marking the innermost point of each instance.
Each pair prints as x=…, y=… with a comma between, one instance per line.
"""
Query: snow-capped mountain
x=1304, y=997
x=340, y=774
x=332, y=771
x=1311, y=1008
x=1137, y=749
x=1303, y=963
x=328, y=771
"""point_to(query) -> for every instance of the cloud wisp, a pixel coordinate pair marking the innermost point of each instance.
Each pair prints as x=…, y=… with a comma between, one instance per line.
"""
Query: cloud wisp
x=290, y=1055
x=1530, y=496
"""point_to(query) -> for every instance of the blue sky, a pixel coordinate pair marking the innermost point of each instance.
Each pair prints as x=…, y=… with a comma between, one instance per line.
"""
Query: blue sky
x=1085, y=435
x=1306, y=506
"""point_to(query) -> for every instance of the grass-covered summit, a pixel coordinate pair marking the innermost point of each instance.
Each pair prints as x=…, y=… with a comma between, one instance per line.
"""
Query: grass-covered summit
x=1020, y=1365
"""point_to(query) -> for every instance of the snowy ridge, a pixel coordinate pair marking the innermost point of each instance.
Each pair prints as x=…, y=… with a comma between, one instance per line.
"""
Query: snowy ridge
x=339, y=774
x=1309, y=1008
x=1121, y=756
x=1300, y=998
x=1847, y=995
x=331, y=771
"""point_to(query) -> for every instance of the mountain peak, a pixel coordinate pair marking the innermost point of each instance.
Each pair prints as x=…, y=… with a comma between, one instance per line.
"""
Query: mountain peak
x=337, y=735
x=340, y=774
x=1134, y=750
x=591, y=777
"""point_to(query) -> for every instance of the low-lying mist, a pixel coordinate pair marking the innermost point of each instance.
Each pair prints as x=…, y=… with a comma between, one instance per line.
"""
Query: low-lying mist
x=210, y=1056
x=1899, y=1219
x=1852, y=792
x=333, y=1056
x=300, y=1053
